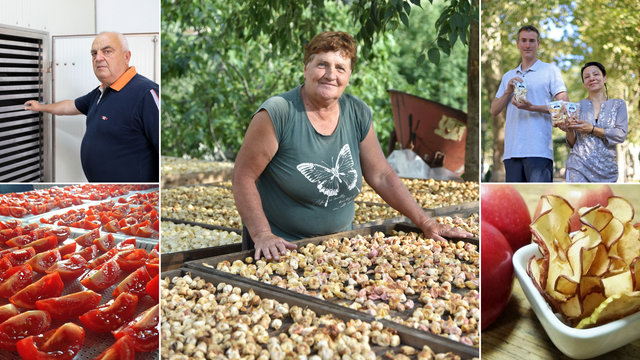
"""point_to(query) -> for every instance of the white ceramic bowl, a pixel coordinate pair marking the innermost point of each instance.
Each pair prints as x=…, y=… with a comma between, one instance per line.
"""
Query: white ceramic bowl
x=575, y=343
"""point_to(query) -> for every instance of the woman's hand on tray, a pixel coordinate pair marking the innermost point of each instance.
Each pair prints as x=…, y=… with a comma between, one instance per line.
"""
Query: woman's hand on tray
x=436, y=231
x=270, y=246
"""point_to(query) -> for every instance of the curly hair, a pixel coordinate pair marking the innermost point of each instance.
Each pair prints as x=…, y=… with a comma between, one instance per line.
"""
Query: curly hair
x=336, y=41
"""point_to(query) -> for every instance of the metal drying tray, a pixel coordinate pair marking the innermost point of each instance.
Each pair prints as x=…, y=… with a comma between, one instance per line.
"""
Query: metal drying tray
x=407, y=335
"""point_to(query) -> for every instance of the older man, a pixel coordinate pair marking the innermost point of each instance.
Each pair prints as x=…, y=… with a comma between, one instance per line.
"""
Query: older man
x=122, y=136
x=528, y=146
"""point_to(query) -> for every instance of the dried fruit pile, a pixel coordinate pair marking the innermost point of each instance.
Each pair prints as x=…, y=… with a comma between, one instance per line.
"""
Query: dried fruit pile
x=200, y=320
x=202, y=204
x=371, y=213
x=176, y=166
x=387, y=277
x=181, y=237
x=592, y=276
x=430, y=194
x=470, y=224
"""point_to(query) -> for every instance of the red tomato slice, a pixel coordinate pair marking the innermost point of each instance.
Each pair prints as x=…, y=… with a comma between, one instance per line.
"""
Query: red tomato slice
x=22, y=326
x=86, y=240
x=63, y=343
x=8, y=234
x=67, y=248
x=70, y=306
x=156, y=225
x=20, y=241
x=69, y=269
x=17, y=211
x=63, y=203
x=144, y=330
x=102, y=278
x=153, y=288
x=157, y=247
x=105, y=243
x=111, y=315
x=15, y=279
x=135, y=283
x=127, y=244
x=7, y=311
x=112, y=226
x=4, y=210
x=121, y=350
x=48, y=243
x=43, y=261
x=153, y=266
x=122, y=200
x=62, y=233
x=21, y=256
x=49, y=286
x=104, y=218
x=38, y=209
x=144, y=231
x=130, y=260
x=29, y=227
x=97, y=262
x=88, y=253
x=90, y=225
x=10, y=224
x=77, y=201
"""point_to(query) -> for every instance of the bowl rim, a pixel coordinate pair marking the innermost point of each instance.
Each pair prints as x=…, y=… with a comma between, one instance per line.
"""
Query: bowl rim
x=520, y=261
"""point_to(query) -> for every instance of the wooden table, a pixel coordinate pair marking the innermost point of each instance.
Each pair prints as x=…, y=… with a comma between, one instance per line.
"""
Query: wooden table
x=517, y=334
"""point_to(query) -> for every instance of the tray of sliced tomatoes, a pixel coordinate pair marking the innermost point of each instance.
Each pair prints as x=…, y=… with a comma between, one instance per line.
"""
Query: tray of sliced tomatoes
x=92, y=296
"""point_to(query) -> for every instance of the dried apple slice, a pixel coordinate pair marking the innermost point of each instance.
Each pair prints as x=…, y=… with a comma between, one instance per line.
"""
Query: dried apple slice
x=635, y=273
x=616, y=284
x=572, y=308
x=597, y=217
x=613, y=308
x=612, y=233
x=621, y=209
x=601, y=262
x=628, y=247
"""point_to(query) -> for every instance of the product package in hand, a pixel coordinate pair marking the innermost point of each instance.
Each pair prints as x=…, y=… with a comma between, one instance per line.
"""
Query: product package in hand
x=520, y=91
x=573, y=109
x=556, y=109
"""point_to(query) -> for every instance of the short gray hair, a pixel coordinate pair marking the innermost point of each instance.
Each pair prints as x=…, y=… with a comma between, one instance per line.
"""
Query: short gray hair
x=123, y=40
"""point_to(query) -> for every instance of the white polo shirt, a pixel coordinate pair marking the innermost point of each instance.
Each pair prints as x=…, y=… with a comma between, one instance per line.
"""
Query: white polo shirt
x=528, y=133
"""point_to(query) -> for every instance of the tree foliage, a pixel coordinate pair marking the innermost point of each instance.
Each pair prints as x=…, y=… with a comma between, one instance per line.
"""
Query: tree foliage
x=218, y=66
x=593, y=30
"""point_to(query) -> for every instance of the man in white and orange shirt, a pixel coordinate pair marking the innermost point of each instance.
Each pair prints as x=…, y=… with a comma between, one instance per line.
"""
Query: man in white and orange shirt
x=121, y=142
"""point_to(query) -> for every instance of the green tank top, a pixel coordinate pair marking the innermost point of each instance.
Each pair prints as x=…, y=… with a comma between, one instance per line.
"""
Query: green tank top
x=309, y=186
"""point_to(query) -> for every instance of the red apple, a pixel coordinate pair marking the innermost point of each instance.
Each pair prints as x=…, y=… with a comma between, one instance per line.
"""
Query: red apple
x=579, y=196
x=497, y=273
x=504, y=208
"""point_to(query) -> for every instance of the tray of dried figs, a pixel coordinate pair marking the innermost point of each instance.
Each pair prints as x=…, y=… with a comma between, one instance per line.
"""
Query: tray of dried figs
x=390, y=273
x=183, y=241
x=207, y=315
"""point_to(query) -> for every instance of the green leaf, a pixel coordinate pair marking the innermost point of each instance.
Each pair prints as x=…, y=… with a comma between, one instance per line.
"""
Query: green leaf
x=416, y=3
x=453, y=37
x=405, y=19
x=434, y=55
x=374, y=14
x=456, y=21
x=371, y=28
x=407, y=8
x=420, y=59
x=444, y=29
x=443, y=44
x=394, y=3
x=463, y=37
x=282, y=21
x=389, y=13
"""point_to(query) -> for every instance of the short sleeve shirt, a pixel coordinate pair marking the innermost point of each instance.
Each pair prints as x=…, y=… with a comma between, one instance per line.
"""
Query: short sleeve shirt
x=308, y=188
x=528, y=133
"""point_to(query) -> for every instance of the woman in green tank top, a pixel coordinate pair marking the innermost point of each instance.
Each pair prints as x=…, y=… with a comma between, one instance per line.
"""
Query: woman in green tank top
x=305, y=152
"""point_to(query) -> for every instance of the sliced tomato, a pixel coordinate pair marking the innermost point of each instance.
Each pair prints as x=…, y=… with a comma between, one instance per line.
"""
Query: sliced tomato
x=144, y=330
x=49, y=286
x=102, y=259
x=29, y=227
x=15, y=279
x=70, y=306
x=135, y=283
x=67, y=248
x=63, y=343
x=8, y=311
x=22, y=326
x=43, y=261
x=48, y=243
x=121, y=350
x=69, y=269
x=17, y=211
x=5, y=265
x=157, y=247
x=90, y=225
x=86, y=240
x=8, y=234
x=112, y=226
x=130, y=230
x=144, y=231
x=127, y=244
x=88, y=253
x=77, y=201
x=153, y=266
x=20, y=241
x=130, y=260
x=156, y=225
x=153, y=288
x=102, y=278
x=21, y=256
x=63, y=203
x=10, y=224
x=105, y=243
x=111, y=315
x=38, y=209
x=62, y=233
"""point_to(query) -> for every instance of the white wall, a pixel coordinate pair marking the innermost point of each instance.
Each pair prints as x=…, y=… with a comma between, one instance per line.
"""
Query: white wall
x=126, y=16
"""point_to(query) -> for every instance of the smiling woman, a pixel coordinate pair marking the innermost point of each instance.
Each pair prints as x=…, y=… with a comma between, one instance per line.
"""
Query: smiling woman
x=305, y=153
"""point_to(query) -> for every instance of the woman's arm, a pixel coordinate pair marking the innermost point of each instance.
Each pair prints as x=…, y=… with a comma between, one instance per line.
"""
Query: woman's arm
x=259, y=146
x=618, y=133
x=379, y=174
